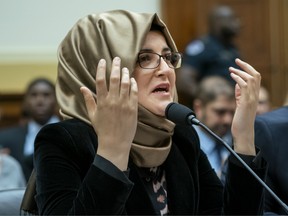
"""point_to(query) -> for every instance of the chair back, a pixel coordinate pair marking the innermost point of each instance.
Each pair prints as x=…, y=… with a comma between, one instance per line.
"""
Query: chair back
x=10, y=201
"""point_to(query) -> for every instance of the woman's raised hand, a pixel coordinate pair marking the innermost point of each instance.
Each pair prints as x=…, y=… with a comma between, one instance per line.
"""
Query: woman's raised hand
x=114, y=113
x=247, y=87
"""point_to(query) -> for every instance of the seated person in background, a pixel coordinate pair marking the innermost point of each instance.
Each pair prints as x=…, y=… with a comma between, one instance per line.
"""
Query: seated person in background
x=11, y=174
x=214, y=106
x=271, y=135
x=210, y=54
x=40, y=105
x=115, y=152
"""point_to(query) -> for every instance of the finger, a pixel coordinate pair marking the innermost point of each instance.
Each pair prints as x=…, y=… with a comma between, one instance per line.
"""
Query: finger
x=125, y=83
x=255, y=77
x=249, y=75
x=250, y=88
x=238, y=79
x=246, y=67
x=100, y=80
x=115, y=77
x=134, y=91
x=89, y=101
x=239, y=73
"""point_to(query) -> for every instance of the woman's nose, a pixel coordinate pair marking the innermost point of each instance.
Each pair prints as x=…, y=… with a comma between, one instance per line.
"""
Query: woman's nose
x=163, y=67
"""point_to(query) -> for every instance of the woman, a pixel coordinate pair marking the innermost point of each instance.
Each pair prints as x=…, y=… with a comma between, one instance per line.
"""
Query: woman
x=116, y=153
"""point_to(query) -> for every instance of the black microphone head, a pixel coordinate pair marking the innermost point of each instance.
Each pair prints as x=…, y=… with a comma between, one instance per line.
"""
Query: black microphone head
x=179, y=114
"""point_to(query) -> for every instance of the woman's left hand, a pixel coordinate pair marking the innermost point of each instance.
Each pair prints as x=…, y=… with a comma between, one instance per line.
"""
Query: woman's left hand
x=247, y=87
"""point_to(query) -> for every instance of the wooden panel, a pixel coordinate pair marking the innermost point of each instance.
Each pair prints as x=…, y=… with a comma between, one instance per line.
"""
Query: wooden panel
x=180, y=17
x=279, y=50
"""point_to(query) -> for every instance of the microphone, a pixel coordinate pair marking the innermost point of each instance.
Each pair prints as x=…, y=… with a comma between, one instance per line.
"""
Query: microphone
x=182, y=115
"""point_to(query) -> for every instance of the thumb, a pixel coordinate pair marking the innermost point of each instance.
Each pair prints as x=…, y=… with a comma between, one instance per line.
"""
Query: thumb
x=89, y=101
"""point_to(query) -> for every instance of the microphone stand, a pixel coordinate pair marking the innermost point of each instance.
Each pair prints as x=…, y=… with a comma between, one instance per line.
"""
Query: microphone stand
x=195, y=121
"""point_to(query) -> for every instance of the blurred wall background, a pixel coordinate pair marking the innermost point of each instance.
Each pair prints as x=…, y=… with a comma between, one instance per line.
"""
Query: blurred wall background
x=31, y=31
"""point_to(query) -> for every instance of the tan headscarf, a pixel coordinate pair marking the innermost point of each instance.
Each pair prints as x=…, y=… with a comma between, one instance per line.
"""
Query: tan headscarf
x=107, y=35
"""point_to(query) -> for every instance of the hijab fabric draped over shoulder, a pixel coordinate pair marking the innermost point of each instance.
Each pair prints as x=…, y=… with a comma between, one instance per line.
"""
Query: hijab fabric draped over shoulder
x=105, y=36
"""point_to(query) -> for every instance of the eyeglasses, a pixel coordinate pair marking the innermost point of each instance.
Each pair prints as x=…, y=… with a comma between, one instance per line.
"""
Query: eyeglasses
x=150, y=60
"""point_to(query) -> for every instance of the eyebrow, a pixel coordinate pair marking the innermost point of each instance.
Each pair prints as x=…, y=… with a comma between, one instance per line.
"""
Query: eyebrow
x=150, y=50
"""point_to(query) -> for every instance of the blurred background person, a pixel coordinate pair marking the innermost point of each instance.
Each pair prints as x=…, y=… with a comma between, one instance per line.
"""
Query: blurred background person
x=40, y=108
x=211, y=54
x=214, y=106
x=264, y=104
x=11, y=174
x=271, y=136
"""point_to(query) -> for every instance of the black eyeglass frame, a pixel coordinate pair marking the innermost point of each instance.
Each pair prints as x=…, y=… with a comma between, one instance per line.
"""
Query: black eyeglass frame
x=164, y=58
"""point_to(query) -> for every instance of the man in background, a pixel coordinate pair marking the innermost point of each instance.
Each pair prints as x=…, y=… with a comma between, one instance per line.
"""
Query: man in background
x=214, y=106
x=211, y=54
x=271, y=136
x=40, y=107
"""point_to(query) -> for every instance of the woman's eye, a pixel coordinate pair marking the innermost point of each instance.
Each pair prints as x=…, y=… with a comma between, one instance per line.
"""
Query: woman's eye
x=168, y=56
x=144, y=58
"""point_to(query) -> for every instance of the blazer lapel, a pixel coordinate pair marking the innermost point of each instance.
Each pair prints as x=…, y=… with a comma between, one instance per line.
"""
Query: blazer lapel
x=139, y=201
x=181, y=192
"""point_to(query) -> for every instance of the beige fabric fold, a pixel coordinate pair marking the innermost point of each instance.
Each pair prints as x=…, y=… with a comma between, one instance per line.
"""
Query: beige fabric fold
x=107, y=35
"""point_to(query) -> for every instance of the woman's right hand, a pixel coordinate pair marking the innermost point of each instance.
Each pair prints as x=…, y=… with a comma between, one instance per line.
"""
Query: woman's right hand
x=114, y=113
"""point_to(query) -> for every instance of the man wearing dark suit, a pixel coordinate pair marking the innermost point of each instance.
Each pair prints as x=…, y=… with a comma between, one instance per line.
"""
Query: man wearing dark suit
x=39, y=104
x=271, y=135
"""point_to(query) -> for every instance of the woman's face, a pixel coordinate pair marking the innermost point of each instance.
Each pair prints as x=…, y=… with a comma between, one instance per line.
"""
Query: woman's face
x=156, y=87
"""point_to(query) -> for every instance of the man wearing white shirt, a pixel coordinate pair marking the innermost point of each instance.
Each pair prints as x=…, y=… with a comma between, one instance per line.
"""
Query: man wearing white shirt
x=214, y=106
x=40, y=106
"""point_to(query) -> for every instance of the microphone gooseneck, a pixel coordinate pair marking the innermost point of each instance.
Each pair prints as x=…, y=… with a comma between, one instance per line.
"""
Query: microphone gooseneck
x=182, y=115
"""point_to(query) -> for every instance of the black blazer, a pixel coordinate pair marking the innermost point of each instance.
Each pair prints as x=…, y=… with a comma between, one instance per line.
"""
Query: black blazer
x=68, y=182
x=271, y=134
x=14, y=139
